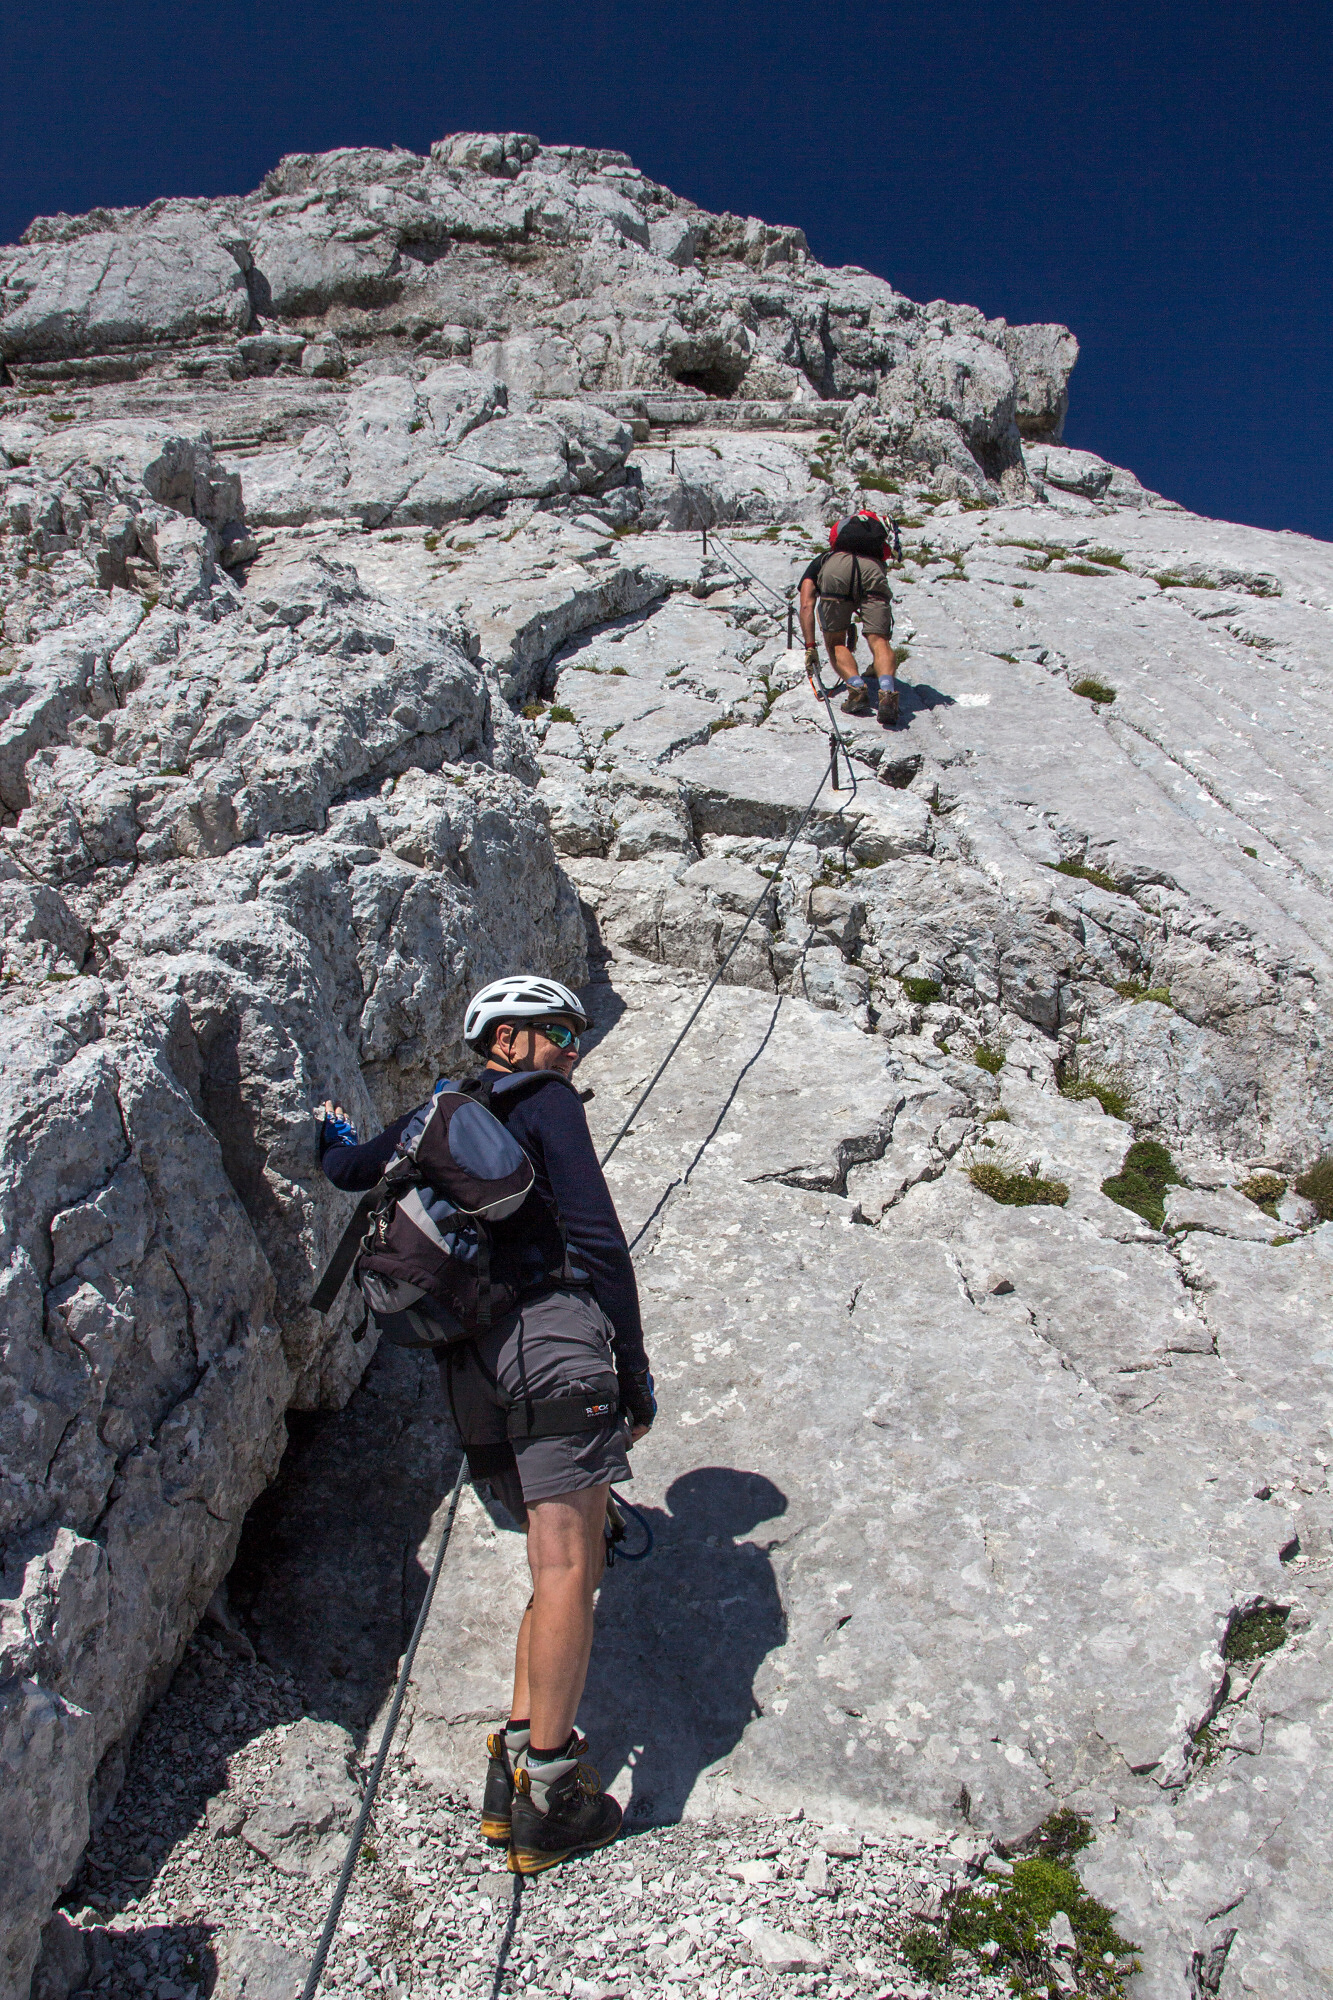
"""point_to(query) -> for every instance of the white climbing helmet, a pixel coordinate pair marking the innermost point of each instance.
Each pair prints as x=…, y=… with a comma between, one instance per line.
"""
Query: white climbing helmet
x=523, y=996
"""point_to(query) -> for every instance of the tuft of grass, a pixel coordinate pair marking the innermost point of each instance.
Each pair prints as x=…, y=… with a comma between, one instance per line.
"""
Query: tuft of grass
x=1108, y=1091
x=723, y=722
x=620, y=672
x=927, y=1955
x=1316, y=1184
x=1016, y=1187
x=1093, y=690
x=1000, y=1117
x=1251, y=1634
x=1171, y=579
x=1082, y=569
x=988, y=1058
x=370, y=1854
x=874, y=482
x=976, y=505
x=1108, y=558
x=431, y=541
x=921, y=992
x=417, y=424
x=1137, y=989
x=1253, y=852
x=1276, y=1242
x=1017, y=1917
x=1018, y=604
x=560, y=714
x=534, y=709
x=1080, y=870
x=1265, y=1191
x=1146, y=1172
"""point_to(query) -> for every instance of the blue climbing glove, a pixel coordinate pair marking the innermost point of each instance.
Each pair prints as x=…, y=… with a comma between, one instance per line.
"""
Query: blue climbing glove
x=337, y=1132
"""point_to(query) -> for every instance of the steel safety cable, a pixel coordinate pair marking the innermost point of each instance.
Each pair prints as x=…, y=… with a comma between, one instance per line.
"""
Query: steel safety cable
x=755, y=908
x=377, y=1772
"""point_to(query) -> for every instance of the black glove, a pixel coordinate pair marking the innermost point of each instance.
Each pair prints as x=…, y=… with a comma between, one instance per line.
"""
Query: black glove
x=636, y=1396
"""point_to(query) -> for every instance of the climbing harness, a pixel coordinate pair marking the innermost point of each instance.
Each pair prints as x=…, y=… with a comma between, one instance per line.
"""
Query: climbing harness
x=377, y=1772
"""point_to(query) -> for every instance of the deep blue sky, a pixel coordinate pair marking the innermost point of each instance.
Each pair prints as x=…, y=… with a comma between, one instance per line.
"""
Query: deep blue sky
x=1157, y=176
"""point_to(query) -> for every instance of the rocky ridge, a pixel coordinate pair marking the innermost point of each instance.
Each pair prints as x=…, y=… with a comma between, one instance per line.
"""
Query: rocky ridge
x=361, y=639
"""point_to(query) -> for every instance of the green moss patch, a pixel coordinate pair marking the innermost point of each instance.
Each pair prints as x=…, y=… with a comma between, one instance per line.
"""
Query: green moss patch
x=1090, y=689
x=1013, y=1187
x=988, y=1058
x=1146, y=1172
x=927, y=1954
x=1137, y=989
x=921, y=992
x=1082, y=873
x=559, y=714
x=1251, y=1634
x=1317, y=1186
x=1059, y=1837
x=874, y=482
x=1265, y=1191
x=1016, y=1917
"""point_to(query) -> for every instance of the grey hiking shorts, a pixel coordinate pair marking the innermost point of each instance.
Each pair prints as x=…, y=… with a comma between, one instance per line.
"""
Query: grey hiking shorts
x=557, y=1345
x=838, y=603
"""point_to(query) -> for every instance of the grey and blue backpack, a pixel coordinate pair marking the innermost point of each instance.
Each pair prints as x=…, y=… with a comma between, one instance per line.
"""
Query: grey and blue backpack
x=420, y=1244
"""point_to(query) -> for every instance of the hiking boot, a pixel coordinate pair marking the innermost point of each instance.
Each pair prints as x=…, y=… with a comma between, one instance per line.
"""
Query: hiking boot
x=559, y=1815
x=497, y=1801
x=888, y=704
x=858, y=701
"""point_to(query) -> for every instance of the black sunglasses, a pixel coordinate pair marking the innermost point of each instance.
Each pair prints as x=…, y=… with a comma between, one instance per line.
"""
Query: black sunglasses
x=558, y=1034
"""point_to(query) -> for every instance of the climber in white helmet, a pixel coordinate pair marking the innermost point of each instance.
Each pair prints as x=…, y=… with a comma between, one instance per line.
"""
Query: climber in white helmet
x=547, y=1401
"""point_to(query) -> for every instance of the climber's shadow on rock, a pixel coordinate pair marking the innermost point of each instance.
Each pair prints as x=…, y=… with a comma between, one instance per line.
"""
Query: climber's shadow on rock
x=681, y=1637
x=913, y=695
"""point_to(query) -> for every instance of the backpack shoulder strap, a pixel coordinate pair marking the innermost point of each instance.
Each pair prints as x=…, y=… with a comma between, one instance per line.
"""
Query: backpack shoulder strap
x=340, y=1263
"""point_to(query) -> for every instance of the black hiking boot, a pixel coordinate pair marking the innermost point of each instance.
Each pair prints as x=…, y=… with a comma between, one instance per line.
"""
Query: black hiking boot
x=506, y=1747
x=570, y=1815
x=888, y=703
x=497, y=1801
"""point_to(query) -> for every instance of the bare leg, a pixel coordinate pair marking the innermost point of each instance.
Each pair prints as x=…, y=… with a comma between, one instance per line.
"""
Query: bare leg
x=840, y=658
x=881, y=652
x=519, y=1705
x=566, y=1554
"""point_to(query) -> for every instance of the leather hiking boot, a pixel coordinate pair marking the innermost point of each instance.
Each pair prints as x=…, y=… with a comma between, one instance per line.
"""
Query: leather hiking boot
x=888, y=704
x=497, y=1801
x=506, y=1748
x=857, y=702
x=578, y=1817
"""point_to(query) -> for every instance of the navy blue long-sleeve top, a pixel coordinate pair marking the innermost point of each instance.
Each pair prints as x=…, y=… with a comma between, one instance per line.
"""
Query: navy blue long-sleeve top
x=551, y=1126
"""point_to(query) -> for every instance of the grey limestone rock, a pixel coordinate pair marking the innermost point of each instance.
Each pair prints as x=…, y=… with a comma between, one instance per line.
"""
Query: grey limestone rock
x=413, y=668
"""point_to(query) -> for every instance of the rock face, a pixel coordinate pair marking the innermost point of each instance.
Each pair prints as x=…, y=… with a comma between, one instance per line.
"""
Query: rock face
x=361, y=642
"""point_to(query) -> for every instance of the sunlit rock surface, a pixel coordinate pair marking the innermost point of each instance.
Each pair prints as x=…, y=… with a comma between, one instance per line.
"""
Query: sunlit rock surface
x=362, y=640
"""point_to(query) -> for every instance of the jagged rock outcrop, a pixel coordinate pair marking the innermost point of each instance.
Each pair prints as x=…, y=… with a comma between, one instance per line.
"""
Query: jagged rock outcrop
x=360, y=642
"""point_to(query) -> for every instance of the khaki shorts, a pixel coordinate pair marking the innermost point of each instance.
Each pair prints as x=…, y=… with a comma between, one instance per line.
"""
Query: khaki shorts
x=556, y=1345
x=875, y=608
